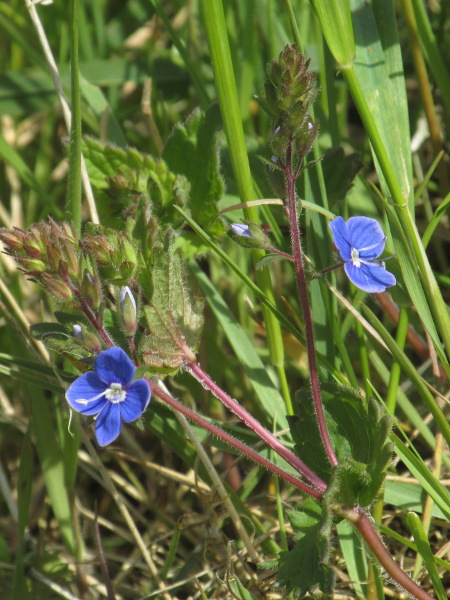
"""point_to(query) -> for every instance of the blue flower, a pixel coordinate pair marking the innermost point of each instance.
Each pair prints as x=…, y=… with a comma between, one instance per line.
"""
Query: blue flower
x=109, y=393
x=360, y=242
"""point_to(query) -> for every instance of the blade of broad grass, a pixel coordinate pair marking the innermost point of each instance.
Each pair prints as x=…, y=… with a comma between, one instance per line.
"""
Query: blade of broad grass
x=19, y=588
x=336, y=23
x=378, y=68
x=422, y=473
x=74, y=176
x=423, y=547
x=355, y=557
x=412, y=373
x=216, y=33
x=408, y=496
x=244, y=349
x=52, y=465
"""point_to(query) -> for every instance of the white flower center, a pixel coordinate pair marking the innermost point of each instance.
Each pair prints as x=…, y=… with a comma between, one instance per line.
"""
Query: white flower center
x=115, y=393
x=355, y=257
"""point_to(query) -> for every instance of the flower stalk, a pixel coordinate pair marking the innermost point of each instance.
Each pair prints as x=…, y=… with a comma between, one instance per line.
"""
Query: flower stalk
x=256, y=427
x=303, y=295
x=232, y=441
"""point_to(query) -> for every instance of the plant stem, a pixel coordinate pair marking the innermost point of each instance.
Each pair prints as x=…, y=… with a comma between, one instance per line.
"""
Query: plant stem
x=303, y=294
x=255, y=425
x=233, y=442
x=361, y=521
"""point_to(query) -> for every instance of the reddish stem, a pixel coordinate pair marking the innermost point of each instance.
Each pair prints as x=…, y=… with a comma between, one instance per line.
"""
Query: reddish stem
x=373, y=540
x=233, y=442
x=303, y=294
x=256, y=426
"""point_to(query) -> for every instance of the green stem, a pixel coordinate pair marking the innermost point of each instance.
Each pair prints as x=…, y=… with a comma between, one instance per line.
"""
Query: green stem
x=216, y=33
x=304, y=302
x=74, y=179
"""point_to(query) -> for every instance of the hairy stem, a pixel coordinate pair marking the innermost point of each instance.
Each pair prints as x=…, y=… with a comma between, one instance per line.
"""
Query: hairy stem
x=303, y=294
x=255, y=425
x=361, y=521
x=232, y=441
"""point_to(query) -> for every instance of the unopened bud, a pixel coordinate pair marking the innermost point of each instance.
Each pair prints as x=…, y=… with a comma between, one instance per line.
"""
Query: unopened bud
x=87, y=339
x=91, y=290
x=128, y=311
x=56, y=287
x=239, y=229
x=78, y=332
x=249, y=236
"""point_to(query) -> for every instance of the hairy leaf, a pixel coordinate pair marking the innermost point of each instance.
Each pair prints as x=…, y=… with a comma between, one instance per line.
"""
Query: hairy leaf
x=358, y=431
x=192, y=151
x=174, y=313
x=123, y=176
x=306, y=566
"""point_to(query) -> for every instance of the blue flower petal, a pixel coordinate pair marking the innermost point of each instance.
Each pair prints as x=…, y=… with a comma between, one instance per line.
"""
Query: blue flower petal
x=364, y=233
x=242, y=230
x=108, y=424
x=86, y=387
x=370, y=278
x=138, y=397
x=114, y=366
x=341, y=239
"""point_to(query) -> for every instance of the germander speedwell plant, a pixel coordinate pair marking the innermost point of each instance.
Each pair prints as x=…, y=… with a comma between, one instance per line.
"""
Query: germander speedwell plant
x=128, y=303
x=128, y=336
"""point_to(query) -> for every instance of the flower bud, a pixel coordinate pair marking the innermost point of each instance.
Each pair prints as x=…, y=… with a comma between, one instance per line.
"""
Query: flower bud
x=78, y=332
x=86, y=339
x=91, y=290
x=56, y=287
x=249, y=236
x=128, y=311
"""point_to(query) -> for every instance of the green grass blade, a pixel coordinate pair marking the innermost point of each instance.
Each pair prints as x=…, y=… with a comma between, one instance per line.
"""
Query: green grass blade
x=52, y=465
x=336, y=22
x=74, y=178
x=412, y=373
x=421, y=472
x=216, y=33
x=423, y=547
x=23, y=503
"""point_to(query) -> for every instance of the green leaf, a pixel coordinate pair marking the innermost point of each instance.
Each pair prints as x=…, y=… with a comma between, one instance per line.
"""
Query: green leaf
x=192, y=151
x=339, y=172
x=124, y=175
x=174, y=313
x=336, y=23
x=379, y=70
x=270, y=259
x=358, y=431
x=57, y=338
x=306, y=566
